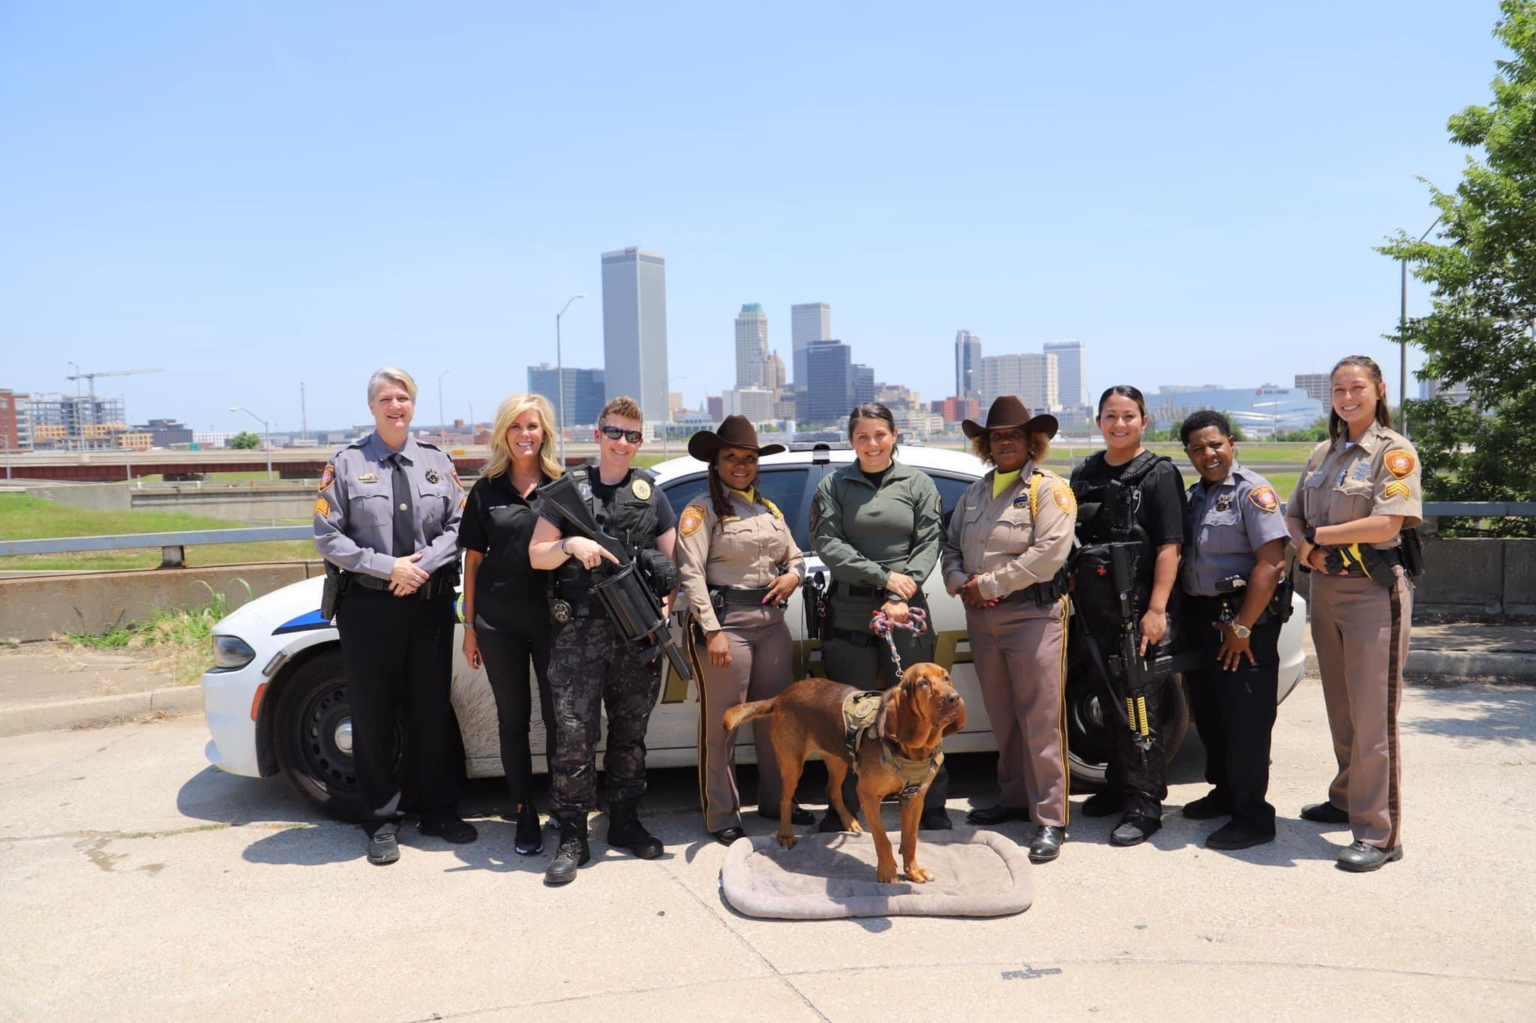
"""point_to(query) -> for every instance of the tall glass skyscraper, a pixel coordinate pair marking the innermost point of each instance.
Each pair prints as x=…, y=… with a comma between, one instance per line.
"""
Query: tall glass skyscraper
x=1071, y=370
x=967, y=362
x=635, y=328
x=809, y=322
x=752, y=347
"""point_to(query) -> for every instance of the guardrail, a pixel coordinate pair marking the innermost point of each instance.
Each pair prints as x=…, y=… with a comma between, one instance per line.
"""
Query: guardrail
x=173, y=554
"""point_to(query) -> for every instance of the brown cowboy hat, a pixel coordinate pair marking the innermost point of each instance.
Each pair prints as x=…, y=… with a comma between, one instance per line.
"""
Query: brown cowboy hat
x=735, y=432
x=1009, y=411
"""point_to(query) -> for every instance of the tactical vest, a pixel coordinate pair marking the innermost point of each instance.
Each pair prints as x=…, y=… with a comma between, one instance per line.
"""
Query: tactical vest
x=631, y=520
x=1106, y=513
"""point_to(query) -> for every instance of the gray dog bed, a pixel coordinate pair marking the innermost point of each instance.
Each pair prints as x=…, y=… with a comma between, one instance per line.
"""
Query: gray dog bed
x=827, y=877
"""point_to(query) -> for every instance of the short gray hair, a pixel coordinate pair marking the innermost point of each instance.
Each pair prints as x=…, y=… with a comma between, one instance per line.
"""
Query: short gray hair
x=391, y=375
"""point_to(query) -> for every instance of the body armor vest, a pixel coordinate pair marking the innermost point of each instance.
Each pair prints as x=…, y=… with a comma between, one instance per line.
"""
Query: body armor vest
x=1107, y=514
x=630, y=519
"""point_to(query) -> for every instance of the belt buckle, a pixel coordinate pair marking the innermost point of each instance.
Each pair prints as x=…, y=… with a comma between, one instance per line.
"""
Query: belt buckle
x=561, y=611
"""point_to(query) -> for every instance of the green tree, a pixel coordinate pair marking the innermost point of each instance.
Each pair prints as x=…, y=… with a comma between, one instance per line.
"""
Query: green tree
x=245, y=441
x=1482, y=274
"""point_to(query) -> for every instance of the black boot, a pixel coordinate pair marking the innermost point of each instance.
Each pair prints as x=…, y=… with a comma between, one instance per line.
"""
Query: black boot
x=626, y=832
x=573, y=850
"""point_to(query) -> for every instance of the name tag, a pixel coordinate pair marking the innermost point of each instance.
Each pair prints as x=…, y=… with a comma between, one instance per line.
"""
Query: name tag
x=1021, y=502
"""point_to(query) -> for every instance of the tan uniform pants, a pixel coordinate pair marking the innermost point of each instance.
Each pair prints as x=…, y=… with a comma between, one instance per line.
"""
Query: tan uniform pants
x=762, y=667
x=1019, y=650
x=1360, y=630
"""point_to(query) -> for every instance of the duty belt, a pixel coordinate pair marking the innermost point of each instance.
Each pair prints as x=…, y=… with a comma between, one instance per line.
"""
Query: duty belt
x=864, y=591
x=737, y=596
x=440, y=584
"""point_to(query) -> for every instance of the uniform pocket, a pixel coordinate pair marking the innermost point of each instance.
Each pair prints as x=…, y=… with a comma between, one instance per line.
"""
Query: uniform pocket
x=431, y=503
x=372, y=504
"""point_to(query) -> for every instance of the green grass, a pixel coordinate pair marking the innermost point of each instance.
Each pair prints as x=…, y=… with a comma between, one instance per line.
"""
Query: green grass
x=25, y=517
x=178, y=641
x=259, y=476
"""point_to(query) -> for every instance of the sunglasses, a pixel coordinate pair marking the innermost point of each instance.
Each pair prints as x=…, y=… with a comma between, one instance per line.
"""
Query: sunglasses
x=614, y=433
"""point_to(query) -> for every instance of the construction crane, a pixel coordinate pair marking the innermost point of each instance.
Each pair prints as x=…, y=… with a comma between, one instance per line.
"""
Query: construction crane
x=90, y=378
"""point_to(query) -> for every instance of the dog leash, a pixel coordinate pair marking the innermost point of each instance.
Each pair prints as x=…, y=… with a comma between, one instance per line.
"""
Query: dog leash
x=881, y=625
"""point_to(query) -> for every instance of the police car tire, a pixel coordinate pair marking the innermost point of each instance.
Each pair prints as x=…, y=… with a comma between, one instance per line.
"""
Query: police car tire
x=312, y=704
x=1086, y=762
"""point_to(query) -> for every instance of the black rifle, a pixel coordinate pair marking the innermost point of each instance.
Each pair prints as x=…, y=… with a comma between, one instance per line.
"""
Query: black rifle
x=629, y=599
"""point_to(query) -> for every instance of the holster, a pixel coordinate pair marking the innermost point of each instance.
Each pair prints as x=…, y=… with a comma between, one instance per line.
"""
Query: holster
x=1412, y=551
x=1353, y=559
x=336, y=582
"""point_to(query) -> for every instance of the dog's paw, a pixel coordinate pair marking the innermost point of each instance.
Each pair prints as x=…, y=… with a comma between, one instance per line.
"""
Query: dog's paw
x=918, y=875
x=885, y=873
x=787, y=841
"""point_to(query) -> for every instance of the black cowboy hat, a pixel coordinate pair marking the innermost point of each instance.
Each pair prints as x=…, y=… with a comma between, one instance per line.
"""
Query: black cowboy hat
x=735, y=432
x=1007, y=412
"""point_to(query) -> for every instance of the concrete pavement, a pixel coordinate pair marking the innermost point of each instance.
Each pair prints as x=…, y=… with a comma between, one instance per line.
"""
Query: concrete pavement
x=138, y=883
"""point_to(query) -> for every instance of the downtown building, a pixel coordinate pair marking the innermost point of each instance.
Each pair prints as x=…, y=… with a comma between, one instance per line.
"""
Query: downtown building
x=967, y=360
x=752, y=350
x=1030, y=377
x=635, y=329
x=830, y=376
x=1071, y=371
x=809, y=323
x=1260, y=411
x=581, y=393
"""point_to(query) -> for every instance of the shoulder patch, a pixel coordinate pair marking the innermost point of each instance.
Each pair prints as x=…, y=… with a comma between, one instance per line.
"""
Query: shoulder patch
x=1062, y=495
x=453, y=474
x=328, y=479
x=1400, y=463
x=692, y=518
x=322, y=507
x=642, y=488
x=1264, y=499
x=773, y=508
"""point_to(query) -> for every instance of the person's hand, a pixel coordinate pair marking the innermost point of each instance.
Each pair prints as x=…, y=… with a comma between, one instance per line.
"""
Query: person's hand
x=898, y=611
x=904, y=586
x=1233, y=649
x=1154, y=626
x=782, y=588
x=719, y=649
x=405, y=577
x=472, y=649
x=1317, y=559
x=589, y=553
x=970, y=593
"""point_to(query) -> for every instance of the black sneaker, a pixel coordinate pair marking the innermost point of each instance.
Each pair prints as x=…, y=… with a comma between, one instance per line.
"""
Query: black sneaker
x=1208, y=807
x=1134, y=829
x=383, y=849
x=1324, y=813
x=529, y=840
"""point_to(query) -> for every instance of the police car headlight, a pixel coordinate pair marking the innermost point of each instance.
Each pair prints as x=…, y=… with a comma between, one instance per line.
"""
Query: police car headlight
x=231, y=652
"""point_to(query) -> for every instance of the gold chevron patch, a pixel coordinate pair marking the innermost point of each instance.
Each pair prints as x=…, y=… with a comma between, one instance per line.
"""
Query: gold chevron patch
x=1397, y=488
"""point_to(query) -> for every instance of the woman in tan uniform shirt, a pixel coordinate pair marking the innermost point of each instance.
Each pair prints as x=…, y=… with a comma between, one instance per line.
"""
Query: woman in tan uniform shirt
x=1007, y=542
x=737, y=564
x=1360, y=489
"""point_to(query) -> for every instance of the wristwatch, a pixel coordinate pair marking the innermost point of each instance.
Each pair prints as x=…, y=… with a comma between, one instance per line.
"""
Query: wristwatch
x=1241, y=631
x=1310, y=535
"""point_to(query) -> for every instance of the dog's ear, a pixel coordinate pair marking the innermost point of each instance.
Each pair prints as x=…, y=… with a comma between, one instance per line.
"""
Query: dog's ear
x=912, y=725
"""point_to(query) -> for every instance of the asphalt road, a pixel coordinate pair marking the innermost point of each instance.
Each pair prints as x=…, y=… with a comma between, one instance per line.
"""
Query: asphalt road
x=137, y=883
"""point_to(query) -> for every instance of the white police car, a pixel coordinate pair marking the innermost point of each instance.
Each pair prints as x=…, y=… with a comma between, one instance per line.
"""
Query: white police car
x=276, y=700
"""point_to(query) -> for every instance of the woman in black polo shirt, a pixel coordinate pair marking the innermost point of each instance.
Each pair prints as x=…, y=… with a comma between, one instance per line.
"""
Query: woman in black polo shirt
x=506, y=618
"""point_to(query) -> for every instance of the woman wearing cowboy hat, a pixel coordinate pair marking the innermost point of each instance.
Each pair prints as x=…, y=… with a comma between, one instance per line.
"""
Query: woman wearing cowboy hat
x=1004, y=556
x=737, y=565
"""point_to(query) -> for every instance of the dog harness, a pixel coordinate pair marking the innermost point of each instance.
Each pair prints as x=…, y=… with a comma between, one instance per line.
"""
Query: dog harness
x=864, y=714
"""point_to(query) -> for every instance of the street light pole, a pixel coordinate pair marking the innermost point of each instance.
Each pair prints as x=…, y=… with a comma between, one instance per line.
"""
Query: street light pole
x=1402, y=322
x=560, y=373
x=442, y=428
x=266, y=435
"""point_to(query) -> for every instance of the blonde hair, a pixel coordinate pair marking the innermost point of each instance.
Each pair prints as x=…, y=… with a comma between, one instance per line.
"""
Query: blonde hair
x=621, y=406
x=501, y=455
x=391, y=375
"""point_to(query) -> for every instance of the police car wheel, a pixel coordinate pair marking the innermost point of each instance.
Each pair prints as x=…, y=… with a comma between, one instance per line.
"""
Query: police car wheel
x=1089, y=739
x=313, y=737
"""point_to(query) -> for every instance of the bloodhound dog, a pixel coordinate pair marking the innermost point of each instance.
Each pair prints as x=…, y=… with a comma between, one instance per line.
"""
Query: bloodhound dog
x=897, y=750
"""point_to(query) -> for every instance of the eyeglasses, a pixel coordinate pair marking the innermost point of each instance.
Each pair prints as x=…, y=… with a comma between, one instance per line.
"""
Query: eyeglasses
x=614, y=433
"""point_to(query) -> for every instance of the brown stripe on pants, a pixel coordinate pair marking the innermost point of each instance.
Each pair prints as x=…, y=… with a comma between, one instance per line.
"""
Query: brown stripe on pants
x=1361, y=630
x=762, y=667
x=1019, y=651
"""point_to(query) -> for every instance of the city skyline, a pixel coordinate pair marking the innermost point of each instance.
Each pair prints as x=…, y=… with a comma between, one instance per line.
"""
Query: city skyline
x=301, y=195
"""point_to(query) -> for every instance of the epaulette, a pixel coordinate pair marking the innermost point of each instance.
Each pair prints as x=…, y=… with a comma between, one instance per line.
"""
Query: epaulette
x=429, y=447
x=772, y=507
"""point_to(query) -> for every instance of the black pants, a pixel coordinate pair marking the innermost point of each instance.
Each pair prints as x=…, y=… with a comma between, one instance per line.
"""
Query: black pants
x=508, y=654
x=1139, y=776
x=1235, y=712
x=857, y=657
x=398, y=654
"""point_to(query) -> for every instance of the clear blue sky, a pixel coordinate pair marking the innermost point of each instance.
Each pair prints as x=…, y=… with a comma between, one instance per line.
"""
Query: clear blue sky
x=253, y=194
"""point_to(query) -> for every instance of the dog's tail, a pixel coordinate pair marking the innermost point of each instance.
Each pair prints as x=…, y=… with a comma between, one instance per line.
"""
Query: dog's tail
x=748, y=712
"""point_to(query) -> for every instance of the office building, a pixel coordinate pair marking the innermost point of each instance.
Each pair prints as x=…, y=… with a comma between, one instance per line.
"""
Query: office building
x=956, y=409
x=863, y=384
x=1071, y=371
x=165, y=432
x=808, y=323
x=967, y=355
x=1260, y=411
x=715, y=404
x=15, y=420
x=756, y=403
x=774, y=377
x=752, y=346
x=1030, y=377
x=75, y=422
x=1317, y=385
x=635, y=328
x=1456, y=394
x=583, y=392
x=829, y=372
